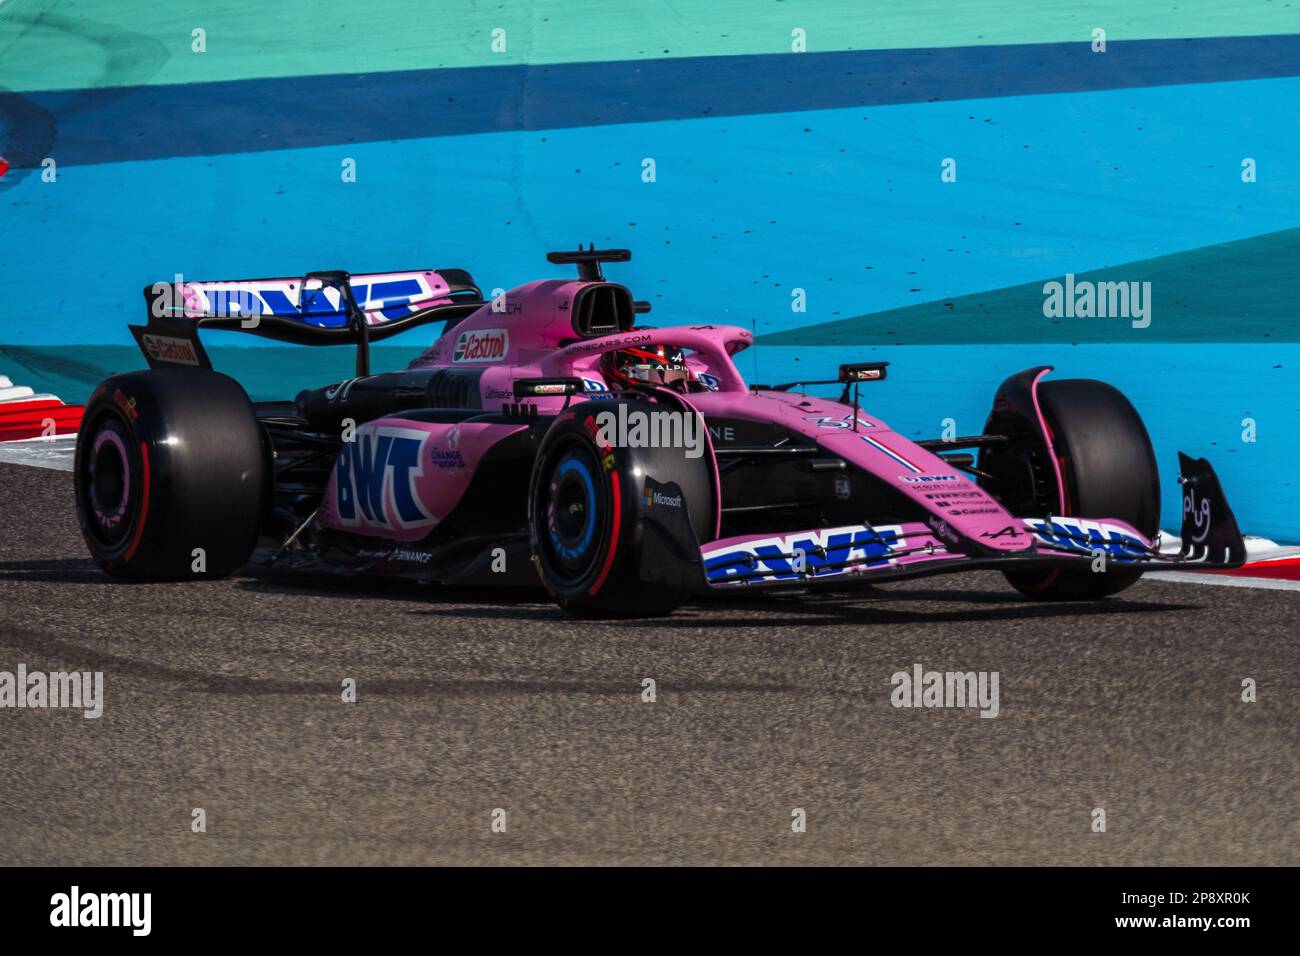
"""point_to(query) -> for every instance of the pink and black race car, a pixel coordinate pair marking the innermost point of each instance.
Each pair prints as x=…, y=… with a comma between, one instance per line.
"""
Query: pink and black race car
x=546, y=435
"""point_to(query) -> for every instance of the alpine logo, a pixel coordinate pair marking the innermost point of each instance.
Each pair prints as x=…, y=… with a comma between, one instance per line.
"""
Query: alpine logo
x=481, y=345
x=374, y=478
x=1010, y=531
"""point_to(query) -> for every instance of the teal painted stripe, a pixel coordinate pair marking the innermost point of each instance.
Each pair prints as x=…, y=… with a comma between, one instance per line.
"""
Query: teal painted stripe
x=62, y=44
x=1243, y=291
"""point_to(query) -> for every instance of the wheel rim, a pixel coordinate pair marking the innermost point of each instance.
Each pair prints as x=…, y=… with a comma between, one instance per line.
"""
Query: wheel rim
x=108, y=485
x=572, y=513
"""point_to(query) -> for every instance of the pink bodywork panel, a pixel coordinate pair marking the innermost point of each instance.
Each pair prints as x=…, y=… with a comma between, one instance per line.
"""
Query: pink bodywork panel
x=375, y=491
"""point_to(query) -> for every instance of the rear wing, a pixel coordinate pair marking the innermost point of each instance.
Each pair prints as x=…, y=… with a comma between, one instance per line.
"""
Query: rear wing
x=321, y=308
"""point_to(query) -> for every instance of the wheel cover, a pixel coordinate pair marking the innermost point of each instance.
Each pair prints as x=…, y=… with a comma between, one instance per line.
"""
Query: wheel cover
x=106, y=477
x=572, y=513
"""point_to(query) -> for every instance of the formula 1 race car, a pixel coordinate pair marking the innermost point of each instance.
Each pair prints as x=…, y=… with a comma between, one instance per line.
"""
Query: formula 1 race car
x=545, y=435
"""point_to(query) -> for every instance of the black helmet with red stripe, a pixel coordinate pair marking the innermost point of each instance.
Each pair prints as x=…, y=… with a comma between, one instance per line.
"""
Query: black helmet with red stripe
x=647, y=365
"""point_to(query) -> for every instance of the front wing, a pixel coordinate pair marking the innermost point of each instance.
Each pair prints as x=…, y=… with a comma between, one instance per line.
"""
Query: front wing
x=865, y=553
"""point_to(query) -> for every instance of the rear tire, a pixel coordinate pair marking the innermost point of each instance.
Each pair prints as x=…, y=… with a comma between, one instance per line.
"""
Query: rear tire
x=170, y=461
x=1108, y=470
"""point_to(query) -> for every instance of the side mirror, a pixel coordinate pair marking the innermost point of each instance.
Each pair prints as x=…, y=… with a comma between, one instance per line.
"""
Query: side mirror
x=862, y=372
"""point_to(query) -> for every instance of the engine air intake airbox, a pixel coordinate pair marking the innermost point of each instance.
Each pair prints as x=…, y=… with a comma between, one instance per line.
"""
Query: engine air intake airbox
x=602, y=308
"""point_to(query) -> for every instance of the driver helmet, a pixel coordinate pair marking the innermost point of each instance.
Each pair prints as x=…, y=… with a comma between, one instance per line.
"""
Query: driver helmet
x=647, y=365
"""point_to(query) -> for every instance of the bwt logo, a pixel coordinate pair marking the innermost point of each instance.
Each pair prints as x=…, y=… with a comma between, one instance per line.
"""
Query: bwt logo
x=481, y=345
x=823, y=551
x=1084, y=534
x=252, y=299
x=374, y=478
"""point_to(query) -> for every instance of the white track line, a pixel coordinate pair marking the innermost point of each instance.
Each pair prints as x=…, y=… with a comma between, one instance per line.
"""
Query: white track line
x=1223, y=580
x=56, y=453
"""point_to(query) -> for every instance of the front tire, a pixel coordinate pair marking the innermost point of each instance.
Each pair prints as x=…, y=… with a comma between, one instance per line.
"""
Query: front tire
x=1108, y=470
x=599, y=548
x=171, y=474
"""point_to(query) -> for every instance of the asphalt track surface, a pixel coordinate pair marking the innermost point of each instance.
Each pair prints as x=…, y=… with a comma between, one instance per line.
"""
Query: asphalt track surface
x=226, y=696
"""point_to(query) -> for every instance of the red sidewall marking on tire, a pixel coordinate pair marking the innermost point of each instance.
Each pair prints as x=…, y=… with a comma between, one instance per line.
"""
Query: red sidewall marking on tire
x=613, y=538
x=144, y=502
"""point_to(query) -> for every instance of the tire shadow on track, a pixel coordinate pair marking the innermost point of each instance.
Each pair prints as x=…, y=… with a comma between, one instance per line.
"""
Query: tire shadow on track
x=765, y=611
x=872, y=607
x=856, y=613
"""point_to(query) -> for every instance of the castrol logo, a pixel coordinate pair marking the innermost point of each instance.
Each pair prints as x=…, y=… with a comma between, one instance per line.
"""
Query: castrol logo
x=481, y=345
